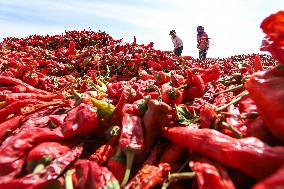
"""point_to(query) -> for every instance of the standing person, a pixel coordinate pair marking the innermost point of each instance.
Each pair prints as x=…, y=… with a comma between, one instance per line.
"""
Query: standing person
x=178, y=44
x=202, y=42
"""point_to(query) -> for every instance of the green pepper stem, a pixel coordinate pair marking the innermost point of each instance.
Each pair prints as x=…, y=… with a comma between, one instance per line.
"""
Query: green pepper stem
x=38, y=168
x=230, y=89
x=129, y=161
x=78, y=96
x=68, y=179
x=178, y=176
x=183, y=175
x=156, y=88
x=234, y=130
x=235, y=100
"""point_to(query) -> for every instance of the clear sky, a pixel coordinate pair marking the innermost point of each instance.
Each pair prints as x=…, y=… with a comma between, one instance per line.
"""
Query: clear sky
x=233, y=25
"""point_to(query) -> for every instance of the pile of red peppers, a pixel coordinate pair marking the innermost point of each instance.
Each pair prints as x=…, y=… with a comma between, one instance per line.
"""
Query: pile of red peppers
x=82, y=110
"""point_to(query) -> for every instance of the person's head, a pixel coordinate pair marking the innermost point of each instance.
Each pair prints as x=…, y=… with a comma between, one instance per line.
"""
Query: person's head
x=200, y=29
x=172, y=33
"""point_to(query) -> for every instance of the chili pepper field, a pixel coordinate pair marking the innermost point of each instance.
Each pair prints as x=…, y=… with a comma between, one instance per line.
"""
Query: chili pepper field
x=82, y=110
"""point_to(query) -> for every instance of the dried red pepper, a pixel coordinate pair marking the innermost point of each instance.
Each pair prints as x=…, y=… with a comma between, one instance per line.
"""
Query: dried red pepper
x=117, y=165
x=10, y=98
x=45, y=153
x=274, y=181
x=272, y=26
x=14, y=148
x=15, y=107
x=267, y=91
x=149, y=176
x=102, y=154
x=10, y=125
x=90, y=175
x=172, y=153
x=13, y=81
x=131, y=141
x=154, y=120
x=210, y=174
x=80, y=120
x=51, y=172
x=172, y=95
x=249, y=155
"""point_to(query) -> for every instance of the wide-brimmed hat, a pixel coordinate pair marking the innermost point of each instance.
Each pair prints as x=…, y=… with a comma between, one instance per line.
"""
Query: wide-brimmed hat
x=172, y=32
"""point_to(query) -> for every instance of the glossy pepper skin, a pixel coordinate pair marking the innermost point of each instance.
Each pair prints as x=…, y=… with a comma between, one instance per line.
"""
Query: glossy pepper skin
x=13, y=81
x=172, y=95
x=44, y=151
x=117, y=165
x=15, y=107
x=81, y=119
x=131, y=140
x=196, y=87
x=267, y=91
x=10, y=98
x=210, y=174
x=272, y=26
x=14, y=149
x=10, y=125
x=51, y=172
x=149, y=176
x=154, y=120
x=92, y=176
x=250, y=155
x=102, y=154
x=274, y=181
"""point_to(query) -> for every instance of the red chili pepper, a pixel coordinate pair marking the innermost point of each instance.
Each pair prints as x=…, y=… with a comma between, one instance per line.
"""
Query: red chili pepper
x=154, y=120
x=267, y=91
x=162, y=78
x=177, y=80
x=172, y=154
x=14, y=81
x=131, y=141
x=257, y=63
x=10, y=98
x=31, y=78
x=208, y=116
x=211, y=174
x=45, y=153
x=14, y=148
x=274, y=181
x=144, y=75
x=154, y=65
x=171, y=95
x=15, y=107
x=117, y=165
x=155, y=153
x=256, y=128
x=149, y=176
x=71, y=48
x=235, y=122
x=80, y=120
x=90, y=175
x=249, y=155
x=210, y=74
x=15, y=89
x=51, y=172
x=9, y=125
x=196, y=88
x=102, y=154
x=272, y=26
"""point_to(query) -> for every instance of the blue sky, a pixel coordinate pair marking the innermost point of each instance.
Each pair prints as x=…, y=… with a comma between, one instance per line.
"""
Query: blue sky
x=233, y=25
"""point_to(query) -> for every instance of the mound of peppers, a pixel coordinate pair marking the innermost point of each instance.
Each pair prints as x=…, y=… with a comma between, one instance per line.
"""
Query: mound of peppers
x=82, y=110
